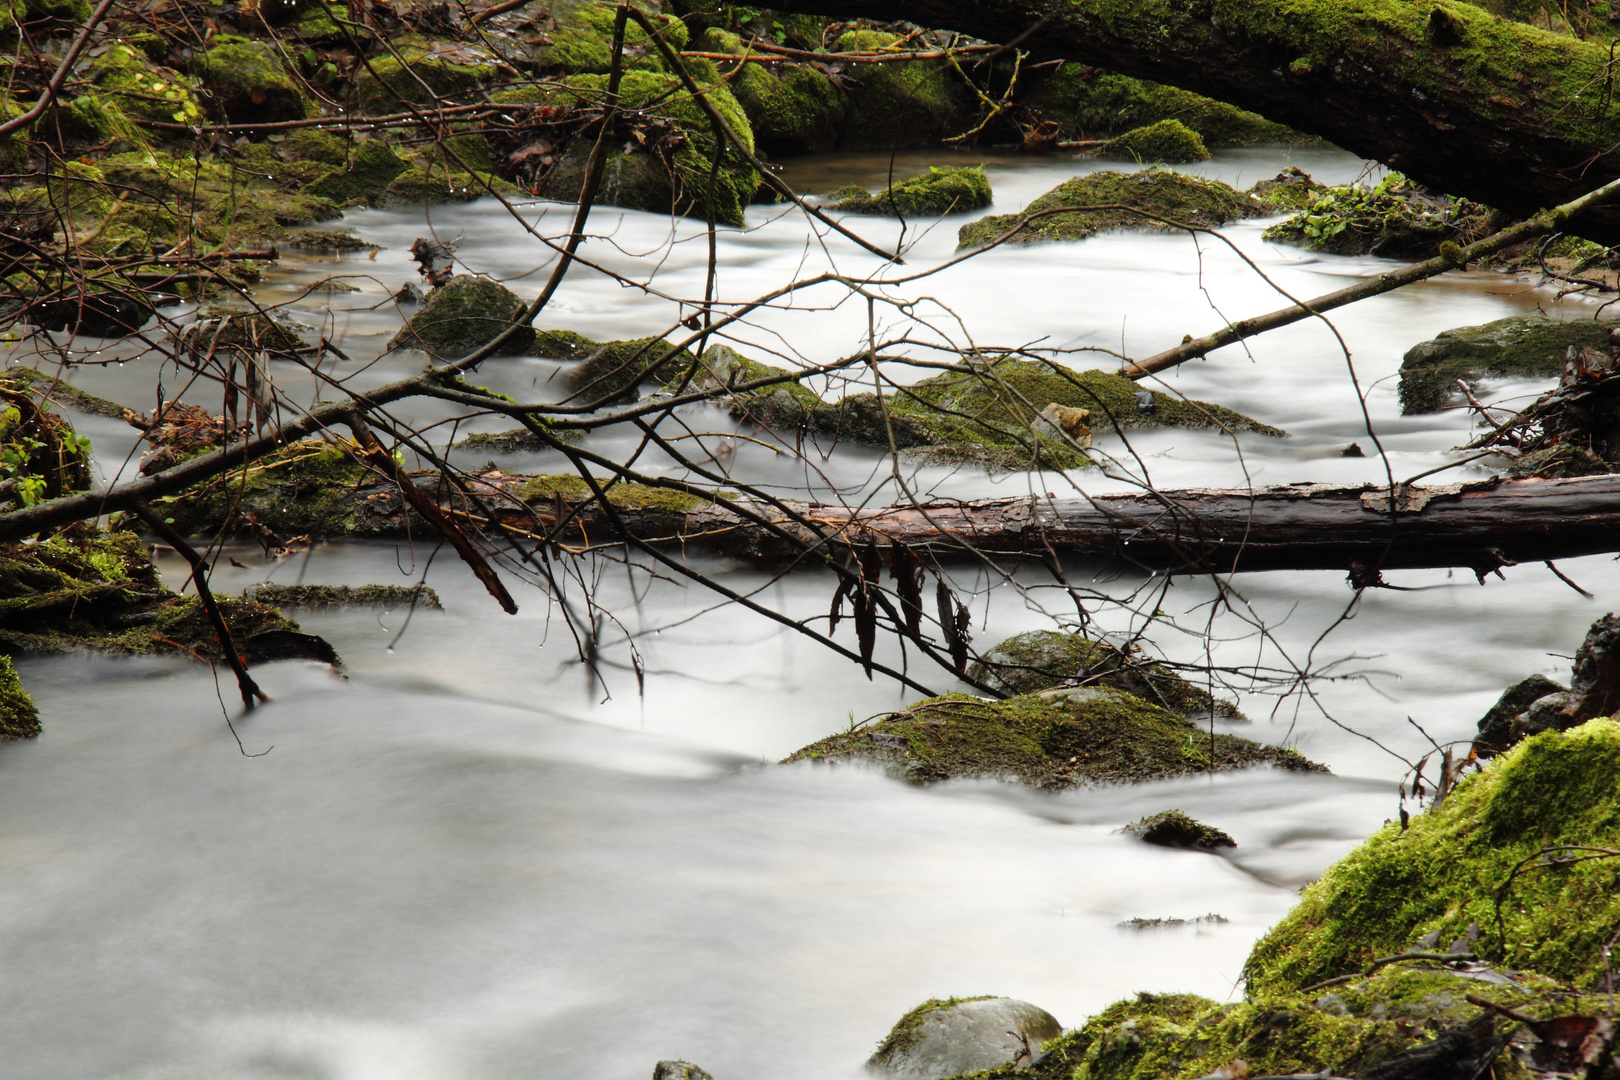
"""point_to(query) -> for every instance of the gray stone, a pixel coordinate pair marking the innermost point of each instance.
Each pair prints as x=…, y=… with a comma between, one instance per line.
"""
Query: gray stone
x=945, y=1038
x=679, y=1070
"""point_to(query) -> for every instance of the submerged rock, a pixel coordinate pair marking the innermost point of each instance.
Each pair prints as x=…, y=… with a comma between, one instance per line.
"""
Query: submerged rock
x=1396, y=219
x=1521, y=346
x=1162, y=193
x=1168, y=142
x=941, y=1038
x=935, y=193
x=1172, y=828
x=465, y=313
x=1042, y=659
x=1313, y=1006
x=1055, y=739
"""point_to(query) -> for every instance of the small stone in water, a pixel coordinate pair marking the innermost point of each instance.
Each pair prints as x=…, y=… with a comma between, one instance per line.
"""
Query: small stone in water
x=1172, y=828
x=679, y=1070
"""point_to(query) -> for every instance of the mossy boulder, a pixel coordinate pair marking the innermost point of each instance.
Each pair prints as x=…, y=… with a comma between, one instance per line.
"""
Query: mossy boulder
x=417, y=186
x=1172, y=828
x=895, y=106
x=19, y=716
x=128, y=81
x=1043, y=659
x=1521, y=346
x=1289, y=191
x=1086, y=102
x=786, y=405
x=1394, y=218
x=793, y=108
x=1168, y=142
x=958, y=1035
x=612, y=370
x=1055, y=739
x=676, y=181
x=583, y=40
x=1165, y=194
x=364, y=178
x=250, y=84
x=465, y=313
x=935, y=193
x=417, y=76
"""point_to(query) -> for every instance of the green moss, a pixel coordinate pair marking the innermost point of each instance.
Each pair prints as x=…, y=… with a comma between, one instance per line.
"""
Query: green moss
x=1289, y=191
x=418, y=186
x=937, y=192
x=19, y=716
x=313, y=144
x=1086, y=103
x=1172, y=828
x=1168, y=142
x=464, y=314
x=641, y=180
x=307, y=488
x=50, y=389
x=793, y=108
x=416, y=77
x=1042, y=659
x=787, y=405
x=1521, y=346
x=127, y=81
x=1442, y=874
x=366, y=177
x=583, y=40
x=897, y=105
x=69, y=12
x=612, y=370
x=1171, y=195
x=1056, y=739
x=625, y=495
x=345, y=596
x=908, y=1029
x=1394, y=218
x=250, y=83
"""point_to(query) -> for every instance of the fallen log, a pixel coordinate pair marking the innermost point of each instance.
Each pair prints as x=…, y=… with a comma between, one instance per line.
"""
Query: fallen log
x=1455, y=97
x=1483, y=526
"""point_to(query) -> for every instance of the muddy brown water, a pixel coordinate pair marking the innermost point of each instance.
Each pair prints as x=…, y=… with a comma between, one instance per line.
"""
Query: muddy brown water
x=468, y=861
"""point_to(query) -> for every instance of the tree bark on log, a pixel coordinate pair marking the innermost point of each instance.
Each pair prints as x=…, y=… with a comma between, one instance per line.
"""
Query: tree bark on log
x=1458, y=99
x=1482, y=526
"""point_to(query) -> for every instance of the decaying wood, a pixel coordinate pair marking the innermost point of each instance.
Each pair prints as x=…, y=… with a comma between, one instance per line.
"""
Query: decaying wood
x=1482, y=526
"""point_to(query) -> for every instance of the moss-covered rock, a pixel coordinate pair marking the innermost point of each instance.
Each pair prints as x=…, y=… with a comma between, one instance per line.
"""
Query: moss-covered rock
x=19, y=716
x=364, y=178
x=1054, y=739
x=937, y=192
x=583, y=40
x=1043, y=659
x=465, y=313
x=418, y=75
x=231, y=326
x=895, y=106
x=1289, y=191
x=128, y=81
x=674, y=181
x=1172, y=828
x=962, y=1035
x=250, y=84
x=1521, y=346
x=612, y=370
x=417, y=186
x=50, y=391
x=793, y=108
x=1087, y=103
x=306, y=489
x=1165, y=194
x=1168, y=142
x=1394, y=218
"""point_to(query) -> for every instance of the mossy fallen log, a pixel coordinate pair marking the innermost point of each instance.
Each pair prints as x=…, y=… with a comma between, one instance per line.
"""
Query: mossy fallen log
x=1053, y=739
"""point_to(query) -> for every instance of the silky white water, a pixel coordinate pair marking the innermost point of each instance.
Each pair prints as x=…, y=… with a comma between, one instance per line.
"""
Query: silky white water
x=468, y=860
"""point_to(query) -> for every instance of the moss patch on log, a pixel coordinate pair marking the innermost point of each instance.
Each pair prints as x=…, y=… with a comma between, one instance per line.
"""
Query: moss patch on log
x=1521, y=346
x=571, y=490
x=1054, y=739
x=321, y=597
x=305, y=489
x=1168, y=142
x=1087, y=103
x=935, y=193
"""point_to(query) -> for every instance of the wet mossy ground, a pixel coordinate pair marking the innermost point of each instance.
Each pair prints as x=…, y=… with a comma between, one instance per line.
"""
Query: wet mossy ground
x=1521, y=346
x=935, y=193
x=1054, y=739
x=1168, y=142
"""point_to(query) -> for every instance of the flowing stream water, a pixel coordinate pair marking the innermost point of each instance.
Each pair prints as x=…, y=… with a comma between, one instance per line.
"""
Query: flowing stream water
x=467, y=859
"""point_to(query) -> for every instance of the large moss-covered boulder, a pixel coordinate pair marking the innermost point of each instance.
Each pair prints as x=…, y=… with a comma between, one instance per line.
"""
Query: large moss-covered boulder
x=129, y=82
x=893, y=106
x=19, y=716
x=1055, y=739
x=465, y=313
x=583, y=40
x=249, y=83
x=941, y=1038
x=1394, y=218
x=1043, y=659
x=1086, y=102
x=937, y=192
x=363, y=178
x=1163, y=194
x=666, y=177
x=1521, y=346
x=793, y=108
x=422, y=72
x=1168, y=142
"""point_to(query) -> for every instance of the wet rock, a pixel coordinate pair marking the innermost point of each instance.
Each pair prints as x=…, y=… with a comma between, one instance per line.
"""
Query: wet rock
x=19, y=716
x=1054, y=739
x=465, y=313
x=679, y=1070
x=1168, y=142
x=1595, y=688
x=612, y=370
x=1043, y=659
x=1086, y=102
x=1165, y=194
x=1288, y=191
x=793, y=108
x=1502, y=726
x=941, y=1038
x=231, y=326
x=1521, y=346
x=1172, y=828
x=935, y=193
x=1396, y=219
x=907, y=104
